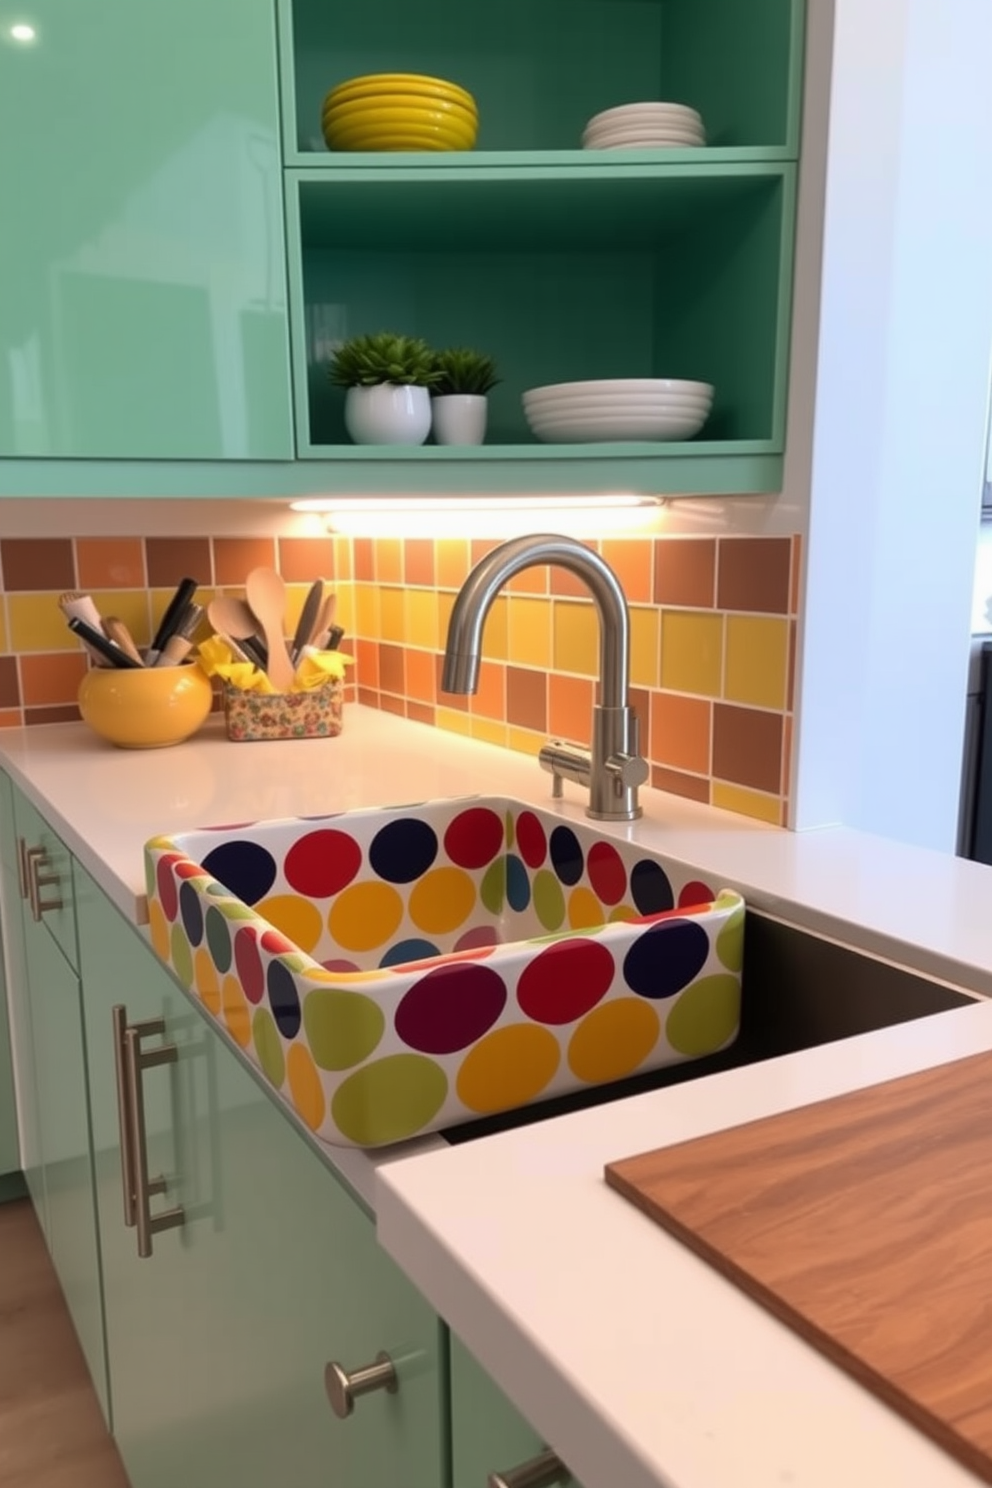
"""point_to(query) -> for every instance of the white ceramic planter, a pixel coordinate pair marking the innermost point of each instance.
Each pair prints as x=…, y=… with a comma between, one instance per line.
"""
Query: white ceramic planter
x=389, y=413
x=460, y=418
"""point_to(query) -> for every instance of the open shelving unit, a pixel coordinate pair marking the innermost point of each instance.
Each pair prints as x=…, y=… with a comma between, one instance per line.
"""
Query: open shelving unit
x=564, y=264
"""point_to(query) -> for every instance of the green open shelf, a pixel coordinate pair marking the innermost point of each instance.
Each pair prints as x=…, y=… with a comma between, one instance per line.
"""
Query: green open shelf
x=539, y=69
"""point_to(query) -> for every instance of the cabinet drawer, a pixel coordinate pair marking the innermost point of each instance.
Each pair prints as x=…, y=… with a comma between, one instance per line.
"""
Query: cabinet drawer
x=44, y=877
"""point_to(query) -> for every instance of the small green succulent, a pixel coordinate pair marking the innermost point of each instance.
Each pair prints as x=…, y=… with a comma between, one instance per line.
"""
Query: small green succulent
x=365, y=361
x=461, y=370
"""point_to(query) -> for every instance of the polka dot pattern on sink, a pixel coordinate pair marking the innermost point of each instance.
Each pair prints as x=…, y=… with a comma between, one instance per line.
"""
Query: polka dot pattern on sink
x=396, y=971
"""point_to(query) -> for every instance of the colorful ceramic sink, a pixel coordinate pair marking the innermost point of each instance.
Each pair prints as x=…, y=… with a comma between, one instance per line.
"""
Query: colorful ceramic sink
x=397, y=971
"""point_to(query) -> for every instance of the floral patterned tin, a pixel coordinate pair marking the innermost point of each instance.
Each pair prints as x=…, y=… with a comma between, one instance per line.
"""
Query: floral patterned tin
x=316, y=714
x=396, y=971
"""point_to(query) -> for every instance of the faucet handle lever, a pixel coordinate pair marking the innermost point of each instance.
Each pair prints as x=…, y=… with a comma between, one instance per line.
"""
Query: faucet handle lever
x=627, y=770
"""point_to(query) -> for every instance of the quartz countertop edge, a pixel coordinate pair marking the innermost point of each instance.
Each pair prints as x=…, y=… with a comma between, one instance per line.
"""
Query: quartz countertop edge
x=641, y=1364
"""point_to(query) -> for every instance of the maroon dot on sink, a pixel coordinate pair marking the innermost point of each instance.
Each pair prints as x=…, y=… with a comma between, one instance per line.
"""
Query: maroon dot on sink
x=474, y=837
x=248, y=960
x=607, y=874
x=322, y=863
x=565, y=980
x=532, y=843
x=450, y=1008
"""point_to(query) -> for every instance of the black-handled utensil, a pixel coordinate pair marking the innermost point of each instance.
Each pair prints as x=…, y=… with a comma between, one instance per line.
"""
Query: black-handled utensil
x=335, y=636
x=172, y=619
x=99, y=642
x=308, y=615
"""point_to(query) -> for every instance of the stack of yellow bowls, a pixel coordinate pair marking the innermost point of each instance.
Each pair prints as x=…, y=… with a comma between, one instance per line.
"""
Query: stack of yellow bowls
x=399, y=111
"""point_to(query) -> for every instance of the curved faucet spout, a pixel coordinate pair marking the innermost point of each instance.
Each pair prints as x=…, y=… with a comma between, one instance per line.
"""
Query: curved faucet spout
x=468, y=618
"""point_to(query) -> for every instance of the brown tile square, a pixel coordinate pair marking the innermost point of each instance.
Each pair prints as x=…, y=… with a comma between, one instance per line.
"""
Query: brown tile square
x=303, y=559
x=797, y=573
x=754, y=574
x=567, y=585
x=479, y=547
x=459, y=700
x=527, y=699
x=533, y=581
x=368, y=697
x=419, y=712
x=680, y=732
x=37, y=563
x=693, y=787
x=391, y=673
x=170, y=559
x=235, y=557
x=418, y=561
x=364, y=560
x=110, y=562
x=62, y=713
x=11, y=718
x=52, y=677
x=395, y=705
x=10, y=691
x=787, y=763
x=632, y=560
x=684, y=571
x=747, y=747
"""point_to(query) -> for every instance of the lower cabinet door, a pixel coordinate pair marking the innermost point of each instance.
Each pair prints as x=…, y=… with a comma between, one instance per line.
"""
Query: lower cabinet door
x=488, y=1434
x=19, y=1006
x=10, y=1160
x=60, y=1065
x=219, y=1339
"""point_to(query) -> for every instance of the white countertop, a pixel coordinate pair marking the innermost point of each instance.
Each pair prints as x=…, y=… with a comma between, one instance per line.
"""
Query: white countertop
x=639, y=1363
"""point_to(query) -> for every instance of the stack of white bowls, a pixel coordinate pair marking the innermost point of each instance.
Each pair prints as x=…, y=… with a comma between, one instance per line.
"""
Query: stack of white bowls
x=645, y=126
x=618, y=408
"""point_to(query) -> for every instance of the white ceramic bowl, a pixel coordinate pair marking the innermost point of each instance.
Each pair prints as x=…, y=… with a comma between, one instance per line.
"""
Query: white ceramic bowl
x=588, y=429
x=641, y=137
x=643, y=402
x=666, y=111
x=614, y=385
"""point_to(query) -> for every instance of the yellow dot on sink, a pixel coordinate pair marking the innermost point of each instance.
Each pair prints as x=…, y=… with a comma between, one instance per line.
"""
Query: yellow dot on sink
x=364, y=916
x=299, y=919
x=207, y=983
x=442, y=900
x=613, y=1040
x=509, y=1067
x=584, y=909
x=305, y=1086
x=158, y=927
x=235, y=1009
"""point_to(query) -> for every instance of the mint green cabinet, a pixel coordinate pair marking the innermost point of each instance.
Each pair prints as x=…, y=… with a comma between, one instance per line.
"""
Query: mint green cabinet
x=218, y=1341
x=143, y=232
x=58, y=1160
x=488, y=1434
x=12, y=896
x=10, y=1161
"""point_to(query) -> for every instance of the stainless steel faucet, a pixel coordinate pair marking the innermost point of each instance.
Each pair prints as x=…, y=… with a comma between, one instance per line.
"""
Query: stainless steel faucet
x=613, y=768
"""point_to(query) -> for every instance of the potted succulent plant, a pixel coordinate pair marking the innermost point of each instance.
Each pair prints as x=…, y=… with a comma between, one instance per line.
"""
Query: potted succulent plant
x=464, y=377
x=388, y=378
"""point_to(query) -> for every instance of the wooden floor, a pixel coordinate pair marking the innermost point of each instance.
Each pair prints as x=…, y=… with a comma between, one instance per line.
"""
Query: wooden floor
x=51, y=1430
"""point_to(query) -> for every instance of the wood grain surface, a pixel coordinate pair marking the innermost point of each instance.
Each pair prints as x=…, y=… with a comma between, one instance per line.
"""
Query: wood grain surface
x=865, y=1222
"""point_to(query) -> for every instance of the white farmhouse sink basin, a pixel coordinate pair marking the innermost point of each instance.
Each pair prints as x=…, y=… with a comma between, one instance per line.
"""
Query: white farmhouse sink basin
x=401, y=970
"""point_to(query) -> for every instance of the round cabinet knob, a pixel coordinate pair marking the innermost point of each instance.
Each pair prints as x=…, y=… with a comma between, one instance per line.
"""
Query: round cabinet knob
x=343, y=1389
x=544, y=1471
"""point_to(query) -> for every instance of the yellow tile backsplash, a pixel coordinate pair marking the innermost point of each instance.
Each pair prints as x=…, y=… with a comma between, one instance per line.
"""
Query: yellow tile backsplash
x=757, y=660
x=692, y=652
x=719, y=679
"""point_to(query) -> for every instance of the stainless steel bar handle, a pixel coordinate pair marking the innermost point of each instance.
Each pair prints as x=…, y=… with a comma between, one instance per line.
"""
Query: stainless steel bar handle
x=343, y=1389
x=128, y=1181
x=41, y=881
x=136, y=1061
x=22, y=867
x=543, y=1471
x=30, y=857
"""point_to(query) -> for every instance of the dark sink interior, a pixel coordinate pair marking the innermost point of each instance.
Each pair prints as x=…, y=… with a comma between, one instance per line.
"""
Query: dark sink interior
x=799, y=991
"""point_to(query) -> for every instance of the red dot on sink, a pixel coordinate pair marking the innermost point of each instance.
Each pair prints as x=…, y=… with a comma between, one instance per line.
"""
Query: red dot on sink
x=607, y=873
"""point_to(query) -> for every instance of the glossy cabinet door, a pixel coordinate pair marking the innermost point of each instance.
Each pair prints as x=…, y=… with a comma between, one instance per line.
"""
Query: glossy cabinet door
x=143, y=232
x=12, y=905
x=10, y=1160
x=218, y=1341
x=488, y=1434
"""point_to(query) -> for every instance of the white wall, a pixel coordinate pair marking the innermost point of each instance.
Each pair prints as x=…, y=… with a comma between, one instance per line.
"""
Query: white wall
x=905, y=331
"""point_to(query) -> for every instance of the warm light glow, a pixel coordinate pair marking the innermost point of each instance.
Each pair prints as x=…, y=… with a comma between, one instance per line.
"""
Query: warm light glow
x=487, y=516
x=23, y=32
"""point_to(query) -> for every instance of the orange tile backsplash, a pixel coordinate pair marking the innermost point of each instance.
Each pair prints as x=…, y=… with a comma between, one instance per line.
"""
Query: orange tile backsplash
x=712, y=639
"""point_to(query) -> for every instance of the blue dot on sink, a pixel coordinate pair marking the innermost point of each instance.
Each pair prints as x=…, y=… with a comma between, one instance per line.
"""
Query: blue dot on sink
x=403, y=850
x=247, y=869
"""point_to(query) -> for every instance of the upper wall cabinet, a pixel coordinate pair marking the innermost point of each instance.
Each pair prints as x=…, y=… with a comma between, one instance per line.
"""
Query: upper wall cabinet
x=565, y=264
x=143, y=313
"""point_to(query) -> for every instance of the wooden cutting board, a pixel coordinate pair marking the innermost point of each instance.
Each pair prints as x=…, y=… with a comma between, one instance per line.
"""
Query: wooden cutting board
x=865, y=1222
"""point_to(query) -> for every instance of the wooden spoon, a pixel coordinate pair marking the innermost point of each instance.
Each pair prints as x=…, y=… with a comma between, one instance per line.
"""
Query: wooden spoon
x=231, y=615
x=115, y=630
x=267, y=597
x=324, y=621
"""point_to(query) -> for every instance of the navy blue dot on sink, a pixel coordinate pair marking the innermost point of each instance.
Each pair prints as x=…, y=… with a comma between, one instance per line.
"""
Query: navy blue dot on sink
x=650, y=888
x=666, y=958
x=245, y=868
x=566, y=855
x=517, y=883
x=191, y=909
x=409, y=950
x=403, y=850
x=283, y=999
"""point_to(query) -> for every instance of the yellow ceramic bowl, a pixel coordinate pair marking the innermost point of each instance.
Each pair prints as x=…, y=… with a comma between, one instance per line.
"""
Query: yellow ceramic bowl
x=398, y=105
x=146, y=709
x=375, y=83
x=372, y=136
